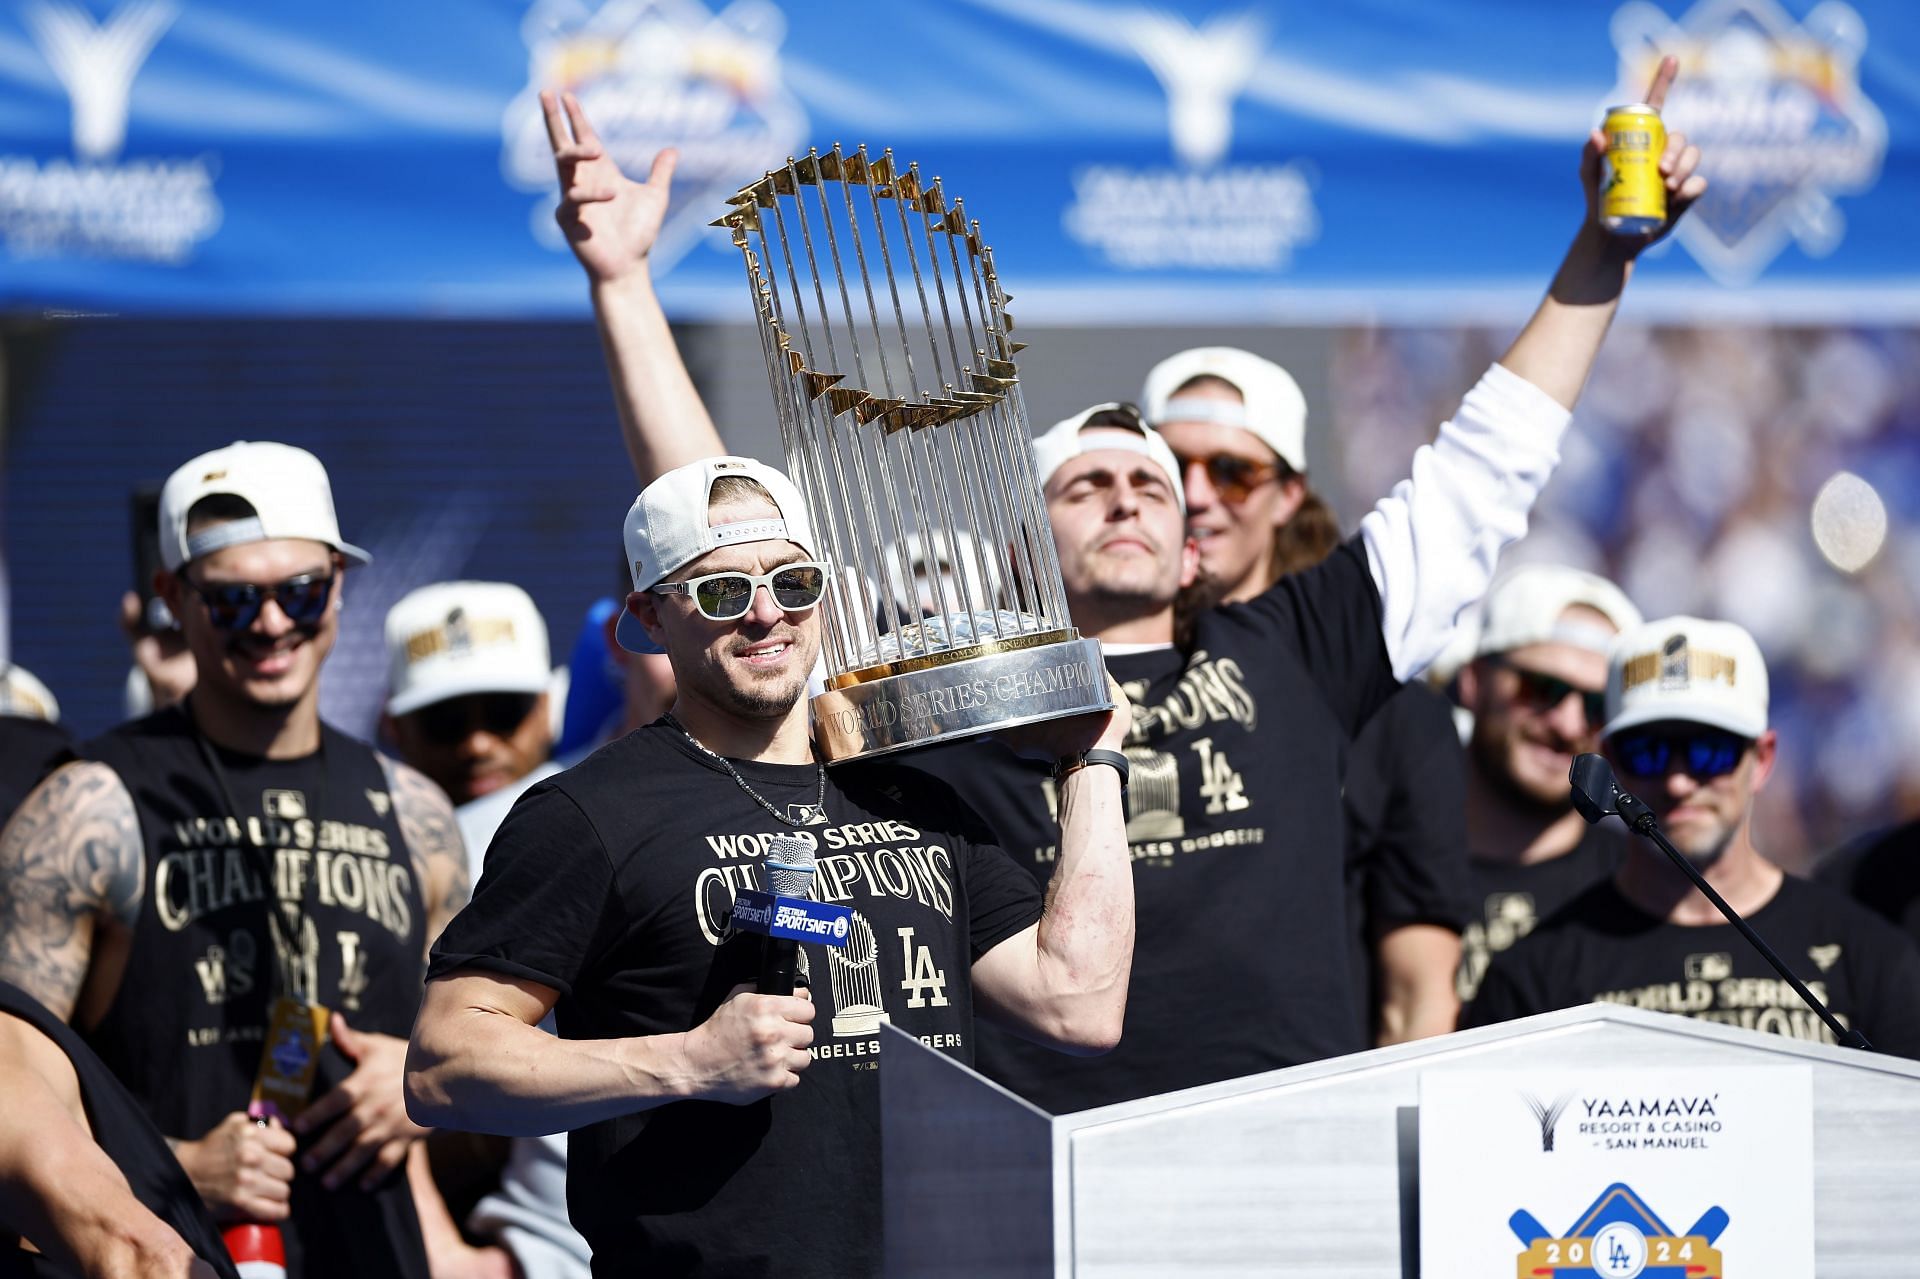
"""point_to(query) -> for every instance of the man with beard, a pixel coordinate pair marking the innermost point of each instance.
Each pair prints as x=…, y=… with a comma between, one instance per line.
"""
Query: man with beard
x=716, y=1130
x=1535, y=688
x=1238, y=742
x=1687, y=733
x=232, y=868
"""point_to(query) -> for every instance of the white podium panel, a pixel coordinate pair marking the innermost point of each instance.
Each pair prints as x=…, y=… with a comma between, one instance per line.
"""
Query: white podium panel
x=1313, y=1171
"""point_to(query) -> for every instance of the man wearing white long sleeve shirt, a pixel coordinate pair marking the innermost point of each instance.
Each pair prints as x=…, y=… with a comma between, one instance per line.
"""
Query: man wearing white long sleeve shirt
x=1239, y=733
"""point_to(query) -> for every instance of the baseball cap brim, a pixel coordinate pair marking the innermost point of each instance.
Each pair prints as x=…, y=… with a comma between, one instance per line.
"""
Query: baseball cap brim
x=1678, y=711
x=464, y=686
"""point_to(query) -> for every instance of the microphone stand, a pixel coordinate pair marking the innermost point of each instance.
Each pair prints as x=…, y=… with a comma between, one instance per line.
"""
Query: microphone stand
x=1590, y=774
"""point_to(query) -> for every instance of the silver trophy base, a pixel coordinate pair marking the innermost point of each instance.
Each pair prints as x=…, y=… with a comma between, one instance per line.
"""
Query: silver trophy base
x=921, y=701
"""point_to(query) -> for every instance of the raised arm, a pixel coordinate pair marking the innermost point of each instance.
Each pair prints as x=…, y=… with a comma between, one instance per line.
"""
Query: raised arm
x=612, y=222
x=1063, y=982
x=1557, y=348
x=70, y=859
x=1432, y=543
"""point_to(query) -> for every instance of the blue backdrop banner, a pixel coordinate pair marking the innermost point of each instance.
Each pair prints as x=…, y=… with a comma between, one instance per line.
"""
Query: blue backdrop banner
x=1141, y=162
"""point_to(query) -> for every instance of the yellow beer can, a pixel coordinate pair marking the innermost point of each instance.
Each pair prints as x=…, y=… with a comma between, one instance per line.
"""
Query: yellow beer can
x=1633, y=198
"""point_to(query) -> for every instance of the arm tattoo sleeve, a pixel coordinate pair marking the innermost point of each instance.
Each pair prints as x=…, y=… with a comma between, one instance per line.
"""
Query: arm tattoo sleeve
x=433, y=840
x=70, y=856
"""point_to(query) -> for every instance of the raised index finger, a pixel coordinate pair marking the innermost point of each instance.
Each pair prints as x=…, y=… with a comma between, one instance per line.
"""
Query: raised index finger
x=1662, y=81
x=556, y=127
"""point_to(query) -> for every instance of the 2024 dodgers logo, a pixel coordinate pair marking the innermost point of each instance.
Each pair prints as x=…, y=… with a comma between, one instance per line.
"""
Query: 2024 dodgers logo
x=1619, y=1237
x=1776, y=108
x=654, y=74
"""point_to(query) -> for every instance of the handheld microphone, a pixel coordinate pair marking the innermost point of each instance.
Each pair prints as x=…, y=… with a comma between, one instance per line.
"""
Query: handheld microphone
x=789, y=864
x=1597, y=795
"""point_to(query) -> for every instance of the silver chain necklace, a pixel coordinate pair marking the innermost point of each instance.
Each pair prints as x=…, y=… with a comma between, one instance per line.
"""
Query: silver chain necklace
x=819, y=803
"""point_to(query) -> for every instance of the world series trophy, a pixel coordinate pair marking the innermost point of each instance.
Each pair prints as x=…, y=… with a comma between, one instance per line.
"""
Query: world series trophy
x=888, y=349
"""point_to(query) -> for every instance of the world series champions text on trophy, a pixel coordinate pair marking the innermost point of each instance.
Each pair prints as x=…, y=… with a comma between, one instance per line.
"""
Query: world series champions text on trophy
x=887, y=344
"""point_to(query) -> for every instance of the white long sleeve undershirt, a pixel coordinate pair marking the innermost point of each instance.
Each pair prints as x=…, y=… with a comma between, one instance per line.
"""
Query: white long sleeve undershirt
x=1433, y=542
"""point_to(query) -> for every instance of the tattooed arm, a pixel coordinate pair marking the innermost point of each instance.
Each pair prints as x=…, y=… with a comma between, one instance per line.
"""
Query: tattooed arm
x=70, y=858
x=433, y=841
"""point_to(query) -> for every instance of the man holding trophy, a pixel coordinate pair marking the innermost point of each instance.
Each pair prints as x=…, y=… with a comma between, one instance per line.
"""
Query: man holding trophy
x=723, y=1123
x=608, y=890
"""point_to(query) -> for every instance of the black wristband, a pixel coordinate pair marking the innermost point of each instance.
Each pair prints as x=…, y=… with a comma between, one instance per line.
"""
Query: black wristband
x=1113, y=759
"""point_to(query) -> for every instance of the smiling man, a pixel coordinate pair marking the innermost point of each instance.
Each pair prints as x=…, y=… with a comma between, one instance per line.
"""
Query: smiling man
x=232, y=864
x=1687, y=732
x=1239, y=730
x=717, y=1130
x=1535, y=689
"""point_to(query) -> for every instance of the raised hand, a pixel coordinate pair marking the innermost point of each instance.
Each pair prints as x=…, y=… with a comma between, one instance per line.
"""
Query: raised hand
x=1677, y=165
x=610, y=220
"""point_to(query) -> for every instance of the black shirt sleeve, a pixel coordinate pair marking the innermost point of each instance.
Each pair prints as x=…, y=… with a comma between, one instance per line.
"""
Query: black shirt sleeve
x=1330, y=615
x=541, y=909
x=1415, y=863
x=1002, y=899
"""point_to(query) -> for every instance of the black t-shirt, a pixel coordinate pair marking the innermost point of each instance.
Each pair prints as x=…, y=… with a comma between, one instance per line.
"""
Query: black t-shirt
x=29, y=748
x=1513, y=899
x=122, y=1130
x=1406, y=828
x=185, y=1028
x=611, y=883
x=1882, y=873
x=1602, y=948
x=1238, y=750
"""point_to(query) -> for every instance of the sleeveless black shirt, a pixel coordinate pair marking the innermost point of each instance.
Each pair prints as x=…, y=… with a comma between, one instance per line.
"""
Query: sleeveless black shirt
x=184, y=1031
x=121, y=1129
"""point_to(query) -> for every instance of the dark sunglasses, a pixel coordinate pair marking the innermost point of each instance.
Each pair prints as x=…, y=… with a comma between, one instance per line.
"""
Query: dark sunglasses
x=1543, y=692
x=1233, y=478
x=1706, y=752
x=453, y=720
x=235, y=606
x=721, y=597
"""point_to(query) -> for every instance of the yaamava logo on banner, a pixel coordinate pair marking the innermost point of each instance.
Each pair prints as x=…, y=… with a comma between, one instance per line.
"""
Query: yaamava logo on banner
x=99, y=203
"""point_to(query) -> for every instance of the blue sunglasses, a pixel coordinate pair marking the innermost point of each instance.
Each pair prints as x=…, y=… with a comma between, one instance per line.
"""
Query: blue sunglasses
x=1705, y=752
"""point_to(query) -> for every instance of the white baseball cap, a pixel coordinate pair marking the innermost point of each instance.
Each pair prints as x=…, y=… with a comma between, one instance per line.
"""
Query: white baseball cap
x=453, y=639
x=23, y=696
x=286, y=486
x=1273, y=407
x=667, y=527
x=1125, y=429
x=1684, y=668
x=1528, y=606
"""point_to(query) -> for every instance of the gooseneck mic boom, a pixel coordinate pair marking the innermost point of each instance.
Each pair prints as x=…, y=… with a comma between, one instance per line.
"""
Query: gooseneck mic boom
x=789, y=863
x=1597, y=795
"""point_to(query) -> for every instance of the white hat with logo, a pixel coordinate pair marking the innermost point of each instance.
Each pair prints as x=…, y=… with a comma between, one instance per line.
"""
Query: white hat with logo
x=1272, y=406
x=454, y=639
x=667, y=527
x=286, y=487
x=1685, y=668
x=1528, y=606
x=1120, y=427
